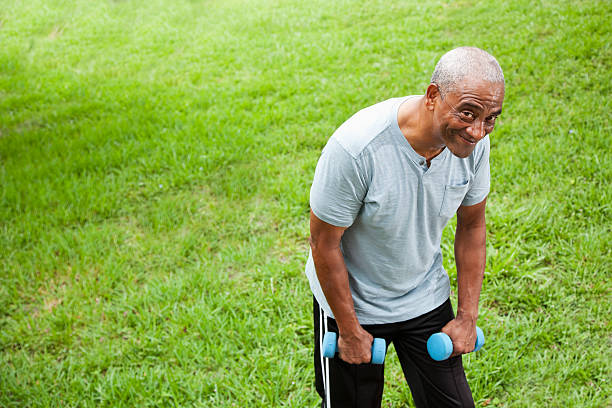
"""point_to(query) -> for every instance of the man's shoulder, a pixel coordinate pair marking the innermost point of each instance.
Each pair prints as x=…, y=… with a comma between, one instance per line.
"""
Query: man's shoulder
x=363, y=127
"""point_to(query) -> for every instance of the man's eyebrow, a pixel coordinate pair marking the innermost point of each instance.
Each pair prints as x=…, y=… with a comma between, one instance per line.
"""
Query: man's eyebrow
x=471, y=105
x=477, y=107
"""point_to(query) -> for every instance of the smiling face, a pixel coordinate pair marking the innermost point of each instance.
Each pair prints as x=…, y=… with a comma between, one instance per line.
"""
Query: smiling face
x=465, y=115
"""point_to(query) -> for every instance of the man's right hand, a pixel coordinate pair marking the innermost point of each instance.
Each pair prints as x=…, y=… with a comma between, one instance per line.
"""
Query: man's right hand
x=355, y=347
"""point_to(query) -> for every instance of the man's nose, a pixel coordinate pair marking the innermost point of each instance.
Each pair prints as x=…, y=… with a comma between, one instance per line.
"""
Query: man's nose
x=476, y=130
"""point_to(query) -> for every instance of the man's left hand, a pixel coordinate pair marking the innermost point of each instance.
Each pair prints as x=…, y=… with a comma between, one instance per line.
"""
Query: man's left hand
x=462, y=332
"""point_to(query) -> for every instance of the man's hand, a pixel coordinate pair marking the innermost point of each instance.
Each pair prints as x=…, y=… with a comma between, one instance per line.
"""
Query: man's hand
x=462, y=332
x=355, y=347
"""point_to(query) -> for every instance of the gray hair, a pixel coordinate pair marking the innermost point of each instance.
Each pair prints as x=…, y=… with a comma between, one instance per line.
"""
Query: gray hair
x=463, y=62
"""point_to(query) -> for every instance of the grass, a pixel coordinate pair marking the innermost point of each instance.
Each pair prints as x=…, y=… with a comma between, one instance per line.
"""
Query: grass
x=155, y=163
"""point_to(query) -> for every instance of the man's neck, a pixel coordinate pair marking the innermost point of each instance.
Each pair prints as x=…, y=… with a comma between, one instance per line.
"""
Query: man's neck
x=415, y=122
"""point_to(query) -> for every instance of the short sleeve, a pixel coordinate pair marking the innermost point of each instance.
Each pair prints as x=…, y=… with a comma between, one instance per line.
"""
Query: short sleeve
x=338, y=189
x=481, y=184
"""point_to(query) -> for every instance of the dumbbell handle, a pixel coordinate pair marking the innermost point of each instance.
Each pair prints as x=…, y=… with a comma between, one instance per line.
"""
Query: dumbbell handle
x=440, y=345
x=330, y=348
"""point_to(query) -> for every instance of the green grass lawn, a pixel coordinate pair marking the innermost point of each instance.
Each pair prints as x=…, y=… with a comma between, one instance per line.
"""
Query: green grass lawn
x=155, y=165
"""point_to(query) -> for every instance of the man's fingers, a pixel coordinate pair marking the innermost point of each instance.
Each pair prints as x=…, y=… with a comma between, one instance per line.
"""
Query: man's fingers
x=356, y=358
x=463, y=347
x=356, y=349
x=364, y=359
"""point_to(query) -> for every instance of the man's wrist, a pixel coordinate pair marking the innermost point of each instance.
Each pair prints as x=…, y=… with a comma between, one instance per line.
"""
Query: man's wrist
x=467, y=315
x=349, y=328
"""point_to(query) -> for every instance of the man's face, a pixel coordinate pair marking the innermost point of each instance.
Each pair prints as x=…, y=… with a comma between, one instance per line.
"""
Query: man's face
x=467, y=114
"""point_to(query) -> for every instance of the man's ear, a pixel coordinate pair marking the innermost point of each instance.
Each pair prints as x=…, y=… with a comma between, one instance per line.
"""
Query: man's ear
x=430, y=96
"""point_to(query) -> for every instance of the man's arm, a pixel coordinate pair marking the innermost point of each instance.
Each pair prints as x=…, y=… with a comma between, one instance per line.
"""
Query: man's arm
x=354, y=343
x=470, y=258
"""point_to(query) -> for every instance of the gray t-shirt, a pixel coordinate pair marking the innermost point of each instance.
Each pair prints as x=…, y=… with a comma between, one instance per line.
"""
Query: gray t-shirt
x=371, y=180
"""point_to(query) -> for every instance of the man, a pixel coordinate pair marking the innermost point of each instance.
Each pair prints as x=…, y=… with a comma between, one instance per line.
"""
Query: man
x=386, y=184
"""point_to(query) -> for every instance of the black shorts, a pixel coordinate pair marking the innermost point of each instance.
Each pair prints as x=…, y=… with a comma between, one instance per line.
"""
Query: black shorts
x=432, y=383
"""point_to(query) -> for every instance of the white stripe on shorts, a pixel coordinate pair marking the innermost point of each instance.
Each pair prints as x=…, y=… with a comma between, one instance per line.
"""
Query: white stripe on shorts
x=324, y=361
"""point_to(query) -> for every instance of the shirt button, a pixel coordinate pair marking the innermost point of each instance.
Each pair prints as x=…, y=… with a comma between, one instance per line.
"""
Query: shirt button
x=422, y=162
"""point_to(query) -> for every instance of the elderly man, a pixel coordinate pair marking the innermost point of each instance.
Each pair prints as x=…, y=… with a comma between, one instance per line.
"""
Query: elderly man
x=387, y=182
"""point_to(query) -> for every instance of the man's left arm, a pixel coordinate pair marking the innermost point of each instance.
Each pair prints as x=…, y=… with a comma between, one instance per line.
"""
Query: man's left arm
x=470, y=258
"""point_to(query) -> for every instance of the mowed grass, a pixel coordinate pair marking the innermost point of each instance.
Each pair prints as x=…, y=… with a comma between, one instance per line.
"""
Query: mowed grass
x=155, y=164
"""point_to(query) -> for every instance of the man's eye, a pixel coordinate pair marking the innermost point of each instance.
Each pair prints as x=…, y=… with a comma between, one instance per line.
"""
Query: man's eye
x=468, y=115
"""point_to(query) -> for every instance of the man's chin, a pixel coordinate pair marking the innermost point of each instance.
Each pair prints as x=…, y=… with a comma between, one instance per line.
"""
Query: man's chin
x=458, y=145
x=462, y=153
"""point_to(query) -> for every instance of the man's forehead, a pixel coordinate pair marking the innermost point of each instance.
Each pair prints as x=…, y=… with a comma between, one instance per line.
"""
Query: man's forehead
x=467, y=89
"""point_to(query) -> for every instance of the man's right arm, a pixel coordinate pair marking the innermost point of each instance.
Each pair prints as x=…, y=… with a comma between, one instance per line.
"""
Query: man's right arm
x=354, y=343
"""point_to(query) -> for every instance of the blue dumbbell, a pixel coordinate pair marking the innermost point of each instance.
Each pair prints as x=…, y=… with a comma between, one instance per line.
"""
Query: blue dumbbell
x=440, y=346
x=330, y=347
